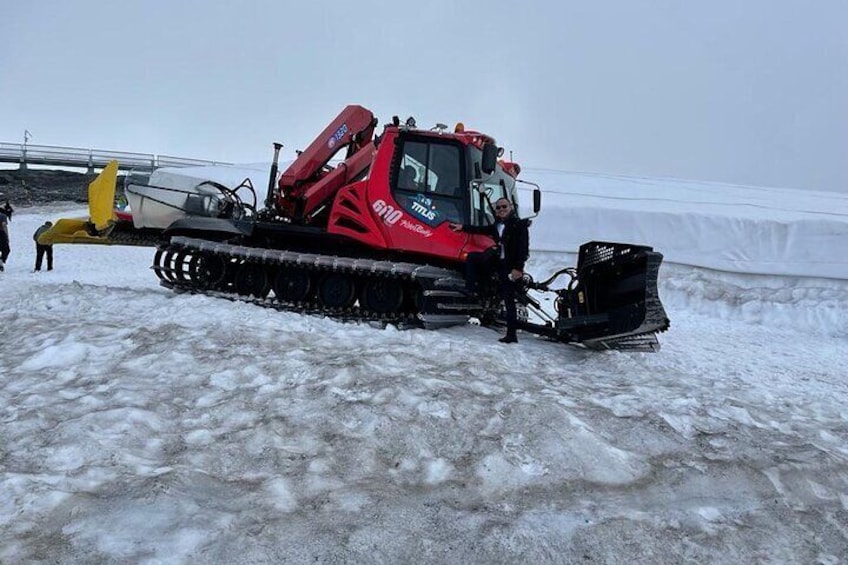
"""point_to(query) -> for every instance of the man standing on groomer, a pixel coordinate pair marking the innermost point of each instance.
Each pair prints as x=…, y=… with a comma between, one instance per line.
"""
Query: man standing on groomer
x=507, y=258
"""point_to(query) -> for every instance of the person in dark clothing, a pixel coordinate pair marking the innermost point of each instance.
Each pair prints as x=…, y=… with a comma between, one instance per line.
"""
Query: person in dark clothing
x=7, y=209
x=507, y=258
x=4, y=240
x=42, y=250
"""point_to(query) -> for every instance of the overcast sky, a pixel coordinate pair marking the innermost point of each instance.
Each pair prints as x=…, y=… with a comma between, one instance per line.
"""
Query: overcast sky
x=751, y=92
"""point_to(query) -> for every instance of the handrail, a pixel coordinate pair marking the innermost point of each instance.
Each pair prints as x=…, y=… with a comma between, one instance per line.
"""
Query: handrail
x=58, y=155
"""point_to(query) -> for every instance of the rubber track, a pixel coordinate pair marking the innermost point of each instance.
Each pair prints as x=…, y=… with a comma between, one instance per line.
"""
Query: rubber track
x=443, y=305
x=130, y=236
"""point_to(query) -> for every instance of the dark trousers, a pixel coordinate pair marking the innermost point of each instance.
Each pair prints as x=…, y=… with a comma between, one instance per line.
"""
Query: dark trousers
x=40, y=251
x=479, y=266
x=507, y=289
x=4, y=246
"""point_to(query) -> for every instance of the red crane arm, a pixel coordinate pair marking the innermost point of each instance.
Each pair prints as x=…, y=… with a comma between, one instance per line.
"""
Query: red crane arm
x=352, y=128
x=333, y=181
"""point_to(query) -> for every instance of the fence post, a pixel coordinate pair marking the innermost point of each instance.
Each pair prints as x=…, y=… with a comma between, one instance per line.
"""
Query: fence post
x=90, y=162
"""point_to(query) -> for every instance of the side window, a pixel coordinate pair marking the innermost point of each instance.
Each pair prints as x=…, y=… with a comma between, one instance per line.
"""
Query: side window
x=429, y=182
x=481, y=215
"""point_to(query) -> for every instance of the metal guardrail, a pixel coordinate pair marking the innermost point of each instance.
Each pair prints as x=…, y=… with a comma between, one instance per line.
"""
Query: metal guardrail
x=27, y=154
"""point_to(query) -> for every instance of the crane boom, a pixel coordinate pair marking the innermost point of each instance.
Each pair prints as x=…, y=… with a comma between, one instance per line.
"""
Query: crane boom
x=308, y=181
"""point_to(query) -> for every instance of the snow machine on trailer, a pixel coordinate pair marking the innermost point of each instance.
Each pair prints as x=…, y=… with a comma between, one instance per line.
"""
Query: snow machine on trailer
x=368, y=239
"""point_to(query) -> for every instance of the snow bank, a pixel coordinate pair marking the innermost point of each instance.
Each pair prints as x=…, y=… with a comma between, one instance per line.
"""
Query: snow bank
x=739, y=229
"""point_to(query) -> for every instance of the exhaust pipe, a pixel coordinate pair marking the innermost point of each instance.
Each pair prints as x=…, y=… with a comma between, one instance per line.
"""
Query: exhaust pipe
x=271, y=198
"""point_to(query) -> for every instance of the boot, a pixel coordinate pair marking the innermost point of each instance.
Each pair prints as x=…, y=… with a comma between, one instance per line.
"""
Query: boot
x=509, y=338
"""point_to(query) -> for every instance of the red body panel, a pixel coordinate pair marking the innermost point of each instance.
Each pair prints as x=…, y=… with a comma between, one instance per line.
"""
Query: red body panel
x=123, y=216
x=352, y=217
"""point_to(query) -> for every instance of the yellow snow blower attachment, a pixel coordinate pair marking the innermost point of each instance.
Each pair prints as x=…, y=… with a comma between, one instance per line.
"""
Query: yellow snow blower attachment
x=104, y=225
x=101, y=199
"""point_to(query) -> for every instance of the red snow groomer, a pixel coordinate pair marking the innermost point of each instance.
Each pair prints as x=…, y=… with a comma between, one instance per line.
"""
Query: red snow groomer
x=357, y=227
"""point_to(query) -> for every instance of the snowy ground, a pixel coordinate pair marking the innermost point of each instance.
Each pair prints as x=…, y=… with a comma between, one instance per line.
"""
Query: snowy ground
x=140, y=426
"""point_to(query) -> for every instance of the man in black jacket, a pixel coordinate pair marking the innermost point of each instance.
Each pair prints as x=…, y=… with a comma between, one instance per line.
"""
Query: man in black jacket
x=507, y=257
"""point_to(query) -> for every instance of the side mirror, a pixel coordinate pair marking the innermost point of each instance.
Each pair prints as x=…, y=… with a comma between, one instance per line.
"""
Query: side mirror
x=490, y=158
x=537, y=200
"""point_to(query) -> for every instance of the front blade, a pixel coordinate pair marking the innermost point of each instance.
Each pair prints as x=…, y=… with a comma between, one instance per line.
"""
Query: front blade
x=616, y=303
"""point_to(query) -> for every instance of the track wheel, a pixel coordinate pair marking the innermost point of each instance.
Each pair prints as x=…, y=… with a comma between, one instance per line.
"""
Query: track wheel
x=414, y=297
x=182, y=267
x=383, y=295
x=336, y=290
x=207, y=271
x=159, y=263
x=167, y=265
x=252, y=280
x=292, y=285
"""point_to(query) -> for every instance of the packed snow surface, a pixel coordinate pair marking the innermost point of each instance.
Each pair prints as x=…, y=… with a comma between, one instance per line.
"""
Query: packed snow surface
x=143, y=426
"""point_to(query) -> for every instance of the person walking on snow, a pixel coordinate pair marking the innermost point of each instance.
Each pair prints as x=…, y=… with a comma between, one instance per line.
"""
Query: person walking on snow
x=41, y=250
x=4, y=240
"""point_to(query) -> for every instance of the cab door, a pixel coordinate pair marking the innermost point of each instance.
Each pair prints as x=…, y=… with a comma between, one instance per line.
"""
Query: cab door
x=429, y=188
